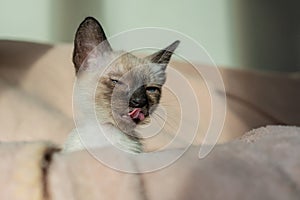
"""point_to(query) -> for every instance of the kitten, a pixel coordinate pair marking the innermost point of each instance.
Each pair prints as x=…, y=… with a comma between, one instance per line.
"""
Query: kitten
x=127, y=92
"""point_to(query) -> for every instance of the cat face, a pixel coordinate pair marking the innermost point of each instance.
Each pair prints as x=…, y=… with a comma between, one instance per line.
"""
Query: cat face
x=129, y=89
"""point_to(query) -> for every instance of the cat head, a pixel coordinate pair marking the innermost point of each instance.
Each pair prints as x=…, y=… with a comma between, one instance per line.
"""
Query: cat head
x=129, y=90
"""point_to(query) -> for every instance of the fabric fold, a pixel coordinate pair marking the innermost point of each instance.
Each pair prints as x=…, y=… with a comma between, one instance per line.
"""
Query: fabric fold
x=23, y=170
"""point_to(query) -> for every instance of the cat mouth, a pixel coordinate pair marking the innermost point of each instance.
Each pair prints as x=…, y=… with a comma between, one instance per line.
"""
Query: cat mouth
x=137, y=114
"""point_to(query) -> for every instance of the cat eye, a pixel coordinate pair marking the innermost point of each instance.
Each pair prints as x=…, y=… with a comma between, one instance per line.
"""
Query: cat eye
x=152, y=89
x=114, y=81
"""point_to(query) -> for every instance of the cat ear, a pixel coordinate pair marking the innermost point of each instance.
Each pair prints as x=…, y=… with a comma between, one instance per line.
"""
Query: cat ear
x=88, y=36
x=163, y=56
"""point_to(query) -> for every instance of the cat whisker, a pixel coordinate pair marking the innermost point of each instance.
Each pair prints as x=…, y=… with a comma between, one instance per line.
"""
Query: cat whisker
x=169, y=114
x=158, y=121
x=170, y=122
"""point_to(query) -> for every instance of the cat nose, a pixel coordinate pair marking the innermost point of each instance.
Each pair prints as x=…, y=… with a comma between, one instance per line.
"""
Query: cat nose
x=137, y=102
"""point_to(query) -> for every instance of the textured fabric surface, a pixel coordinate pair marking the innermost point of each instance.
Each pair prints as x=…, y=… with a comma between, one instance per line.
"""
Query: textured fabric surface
x=23, y=170
x=263, y=164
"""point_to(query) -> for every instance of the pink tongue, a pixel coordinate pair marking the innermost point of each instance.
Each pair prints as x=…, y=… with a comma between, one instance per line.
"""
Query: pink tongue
x=136, y=113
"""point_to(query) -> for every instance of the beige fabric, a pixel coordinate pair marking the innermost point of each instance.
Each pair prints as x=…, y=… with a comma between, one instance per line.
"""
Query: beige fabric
x=264, y=164
x=22, y=170
x=266, y=168
x=35, y=91
x=80, y=176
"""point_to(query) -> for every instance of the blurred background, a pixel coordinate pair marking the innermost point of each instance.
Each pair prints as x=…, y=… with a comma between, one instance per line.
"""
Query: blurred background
x=256, y=34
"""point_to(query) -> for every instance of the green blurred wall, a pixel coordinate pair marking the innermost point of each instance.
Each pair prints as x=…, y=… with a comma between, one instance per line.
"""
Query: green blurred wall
x=56, y=20
x=28, y=20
